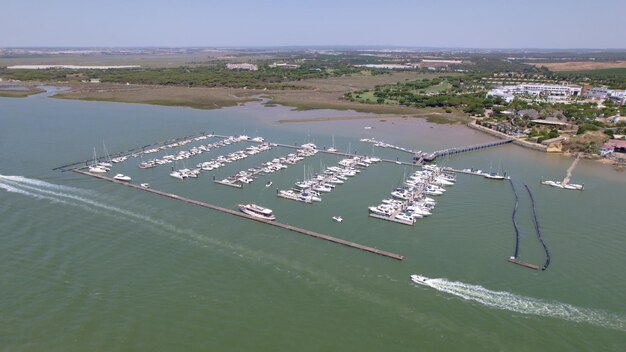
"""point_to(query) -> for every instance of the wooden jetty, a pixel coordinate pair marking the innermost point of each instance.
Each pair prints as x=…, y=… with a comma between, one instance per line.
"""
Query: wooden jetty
x=523, y=263
x=243, y=215
x=450, y=151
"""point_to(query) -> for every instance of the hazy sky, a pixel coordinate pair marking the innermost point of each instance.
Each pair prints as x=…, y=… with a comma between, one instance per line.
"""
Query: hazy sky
x=438, y=23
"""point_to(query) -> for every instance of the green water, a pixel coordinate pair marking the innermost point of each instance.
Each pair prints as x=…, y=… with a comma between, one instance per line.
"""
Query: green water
x=91, y=266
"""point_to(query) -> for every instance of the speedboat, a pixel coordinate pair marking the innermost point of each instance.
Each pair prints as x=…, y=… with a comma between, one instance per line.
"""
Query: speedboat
x=122, y=177
x=419, y=279
x=338, y=218
x=269, y=183
x=257, y=211
x=145, y=185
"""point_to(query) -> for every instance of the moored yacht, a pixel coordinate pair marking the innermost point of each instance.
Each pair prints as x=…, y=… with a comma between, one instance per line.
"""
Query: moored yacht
x=257, y=211
x=122, y=177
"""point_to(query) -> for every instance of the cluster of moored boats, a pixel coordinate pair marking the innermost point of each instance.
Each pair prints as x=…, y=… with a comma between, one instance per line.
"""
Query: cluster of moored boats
x=185, y=154
x=220, y=161
x=411, y=202
x=382, y=144
x=310, y=190
x=563, y=185
x=248, y=176
x=490, y=175
x=175, y=144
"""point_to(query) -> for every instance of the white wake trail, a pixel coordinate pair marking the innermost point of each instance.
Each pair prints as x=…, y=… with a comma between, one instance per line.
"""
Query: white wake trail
x=529, y=305
x=12, y=189
x=26, y=186
x=42, y=184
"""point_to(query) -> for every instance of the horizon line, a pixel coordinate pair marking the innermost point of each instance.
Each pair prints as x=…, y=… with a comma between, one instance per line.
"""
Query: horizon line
x=351, y=46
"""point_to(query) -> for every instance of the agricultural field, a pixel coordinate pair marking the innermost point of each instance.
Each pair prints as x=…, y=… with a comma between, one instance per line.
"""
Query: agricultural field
x=579, y=65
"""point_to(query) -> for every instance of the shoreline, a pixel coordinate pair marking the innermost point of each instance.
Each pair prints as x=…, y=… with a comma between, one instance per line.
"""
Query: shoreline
x=542, y=148
x=217, y=98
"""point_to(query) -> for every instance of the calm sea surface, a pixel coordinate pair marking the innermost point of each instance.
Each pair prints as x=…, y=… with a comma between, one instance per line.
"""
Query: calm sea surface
x=88, y=265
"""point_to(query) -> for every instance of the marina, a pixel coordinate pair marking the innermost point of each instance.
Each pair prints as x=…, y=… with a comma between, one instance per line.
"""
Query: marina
x=269, y=167
x=250, y=217
x=406, y=206
x=309, y=190
x=196, y=260
x=410, y=203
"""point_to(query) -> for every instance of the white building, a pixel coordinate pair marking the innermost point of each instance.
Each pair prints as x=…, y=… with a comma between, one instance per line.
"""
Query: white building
x=552, y=93
x=248, y=67
x=390, y=66
x=597, y=92
x=283, y=65
x=499, y=93
x=548, y=89
x=618, y=96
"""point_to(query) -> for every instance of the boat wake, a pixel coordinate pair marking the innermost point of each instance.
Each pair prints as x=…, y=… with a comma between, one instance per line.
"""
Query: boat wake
x=72, y=196
x=529, y=305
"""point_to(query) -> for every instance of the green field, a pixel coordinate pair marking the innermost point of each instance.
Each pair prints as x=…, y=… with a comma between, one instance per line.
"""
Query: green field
x=615, y=78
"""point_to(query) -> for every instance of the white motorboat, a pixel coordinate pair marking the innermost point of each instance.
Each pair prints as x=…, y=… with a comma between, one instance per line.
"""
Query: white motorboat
x=400, y=195
x=97, y=169
x=257, y=211
x=552, y=183
x=419, y=279
x=311, y=196
x=122, y=177
x=338, y=218
x=245, y=180
x=494, y=176
x=417, y=210
x=322, y=188
x=570, y=186
x=178, y=175
x=405, y=217
x=145, y=185
x=269, y=183
x=379, y=210
x=574, y=186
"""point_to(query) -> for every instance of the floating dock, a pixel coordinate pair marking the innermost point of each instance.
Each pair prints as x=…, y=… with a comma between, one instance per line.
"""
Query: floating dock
x=524, y=264
x=243, y=215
